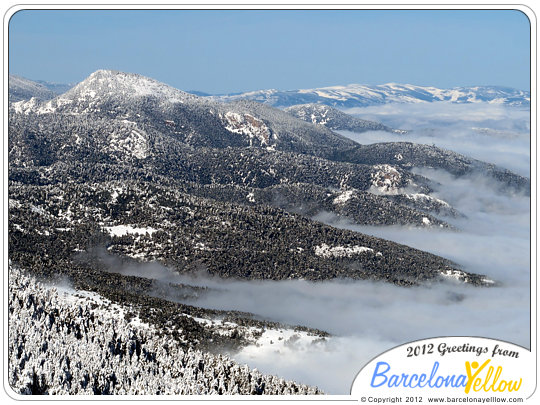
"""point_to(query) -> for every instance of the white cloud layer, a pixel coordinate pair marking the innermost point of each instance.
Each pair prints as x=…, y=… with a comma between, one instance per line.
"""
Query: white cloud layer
x=488, y=132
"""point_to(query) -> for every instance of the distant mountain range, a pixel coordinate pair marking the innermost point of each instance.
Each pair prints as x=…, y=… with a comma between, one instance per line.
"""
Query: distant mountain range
x=348, y=96
x=357, y=95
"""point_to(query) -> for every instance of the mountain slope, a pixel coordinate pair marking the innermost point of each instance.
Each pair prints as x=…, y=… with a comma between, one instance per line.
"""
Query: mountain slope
x=336, y=120
x=193, y=120
x=151, y=202
x=24, y=89
x=191, y=233
x=408, y=155
x=143, y=110
x=46, y=149
x=116, y=126
x=63, y=342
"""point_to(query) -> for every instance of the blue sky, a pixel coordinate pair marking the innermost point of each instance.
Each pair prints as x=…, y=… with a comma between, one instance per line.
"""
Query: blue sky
x=231, y=51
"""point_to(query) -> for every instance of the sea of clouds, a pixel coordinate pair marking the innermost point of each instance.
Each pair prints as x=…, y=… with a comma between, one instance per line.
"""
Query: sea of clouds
x=490, y=132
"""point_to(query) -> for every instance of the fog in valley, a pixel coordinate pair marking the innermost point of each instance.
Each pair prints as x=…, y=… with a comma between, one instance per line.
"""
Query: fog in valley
x=490, y=132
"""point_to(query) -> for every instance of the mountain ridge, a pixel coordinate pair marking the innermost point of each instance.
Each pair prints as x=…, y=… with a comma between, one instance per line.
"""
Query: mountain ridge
x=337, y=120
x=347, y=96
x=197, y=121
x=358, y=95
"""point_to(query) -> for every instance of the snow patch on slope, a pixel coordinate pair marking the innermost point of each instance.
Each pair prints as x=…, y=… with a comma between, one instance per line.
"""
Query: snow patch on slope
x=424, y=197
x=121, y=230
x=385, y=180
x=246, y=124
x=344, y=197
x=326, y=251
x=135, y=144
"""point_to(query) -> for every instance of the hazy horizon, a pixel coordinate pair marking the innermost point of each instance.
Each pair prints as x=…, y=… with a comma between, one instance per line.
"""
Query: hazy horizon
x=40, y=80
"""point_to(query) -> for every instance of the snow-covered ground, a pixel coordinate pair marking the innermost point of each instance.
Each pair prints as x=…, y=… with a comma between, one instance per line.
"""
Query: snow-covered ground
x=340, y=251
x=121, y=230
x=63, y=341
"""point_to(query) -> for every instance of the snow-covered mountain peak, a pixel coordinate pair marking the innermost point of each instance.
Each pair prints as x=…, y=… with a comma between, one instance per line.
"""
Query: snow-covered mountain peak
x=103, y=73
x=106, y=88
x=111, y=82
